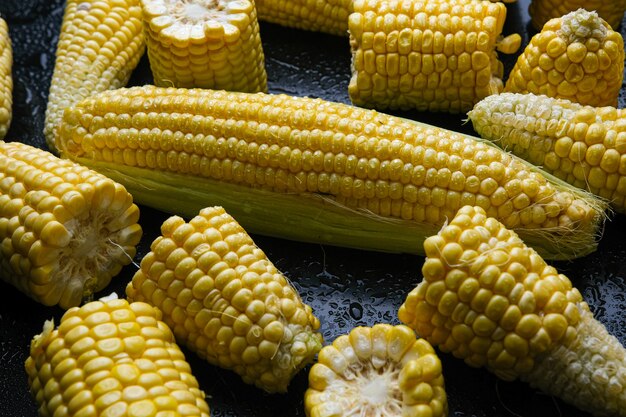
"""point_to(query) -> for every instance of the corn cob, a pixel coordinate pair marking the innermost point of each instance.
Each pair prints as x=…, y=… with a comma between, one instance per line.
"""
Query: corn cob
x=327, y=16
x=6, y=79
x=65, y=230
x=100, y=44
x=492, y=301
x=438, y=55
x=377, y=371
x=583, y=145
x=576, y=57
x=543, y=10
x=108, y=359
x=308, y=169
x=205, y=43
x=226, y=301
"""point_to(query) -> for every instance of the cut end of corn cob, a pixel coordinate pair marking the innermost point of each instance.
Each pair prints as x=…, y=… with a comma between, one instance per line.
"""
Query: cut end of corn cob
x=328, y=16
x=205, y=43
x=541, y=11
x=111, y=359
x=100, y=44
x=583, y=145
x=491, y=300
x=366, y=166
x=226, y=301
x=576, y=57
x=65, y=230
x=377, y=371
x=435, y=56
x=6, y=79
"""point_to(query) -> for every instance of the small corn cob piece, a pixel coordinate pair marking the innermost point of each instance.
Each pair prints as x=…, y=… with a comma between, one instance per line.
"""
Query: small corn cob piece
x=543, y=10
x=112, y=358
x=65, y=230
x=492, y=301
x=100, y=44
x=438, y=55
x=205, y=43
x=377, y=371
x=308, y=169
x=226, y=301
x=583, y=145
x=577, y=57
x=327, y=16
x=6, y=79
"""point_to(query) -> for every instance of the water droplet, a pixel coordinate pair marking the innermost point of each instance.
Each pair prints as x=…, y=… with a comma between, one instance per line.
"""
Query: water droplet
x=356, y=311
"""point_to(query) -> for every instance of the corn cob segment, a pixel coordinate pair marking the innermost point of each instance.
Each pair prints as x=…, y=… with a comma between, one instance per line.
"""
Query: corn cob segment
x=377, y=371
x=100, y=44
x=491, y=300
x=205, y=43
x=437, y=55
x=226, y=301
x=583, y=145
x=577, y=57
x=6, y=79
x=327, y=16
x=543, y=10
x=314, y=155
x=65, y=230
x=112, y=358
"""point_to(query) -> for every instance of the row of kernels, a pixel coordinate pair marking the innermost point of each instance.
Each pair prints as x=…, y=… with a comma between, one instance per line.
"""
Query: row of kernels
x=6, y=80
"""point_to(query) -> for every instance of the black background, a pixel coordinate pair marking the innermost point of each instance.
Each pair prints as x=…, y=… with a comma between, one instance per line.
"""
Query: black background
x=345, y=287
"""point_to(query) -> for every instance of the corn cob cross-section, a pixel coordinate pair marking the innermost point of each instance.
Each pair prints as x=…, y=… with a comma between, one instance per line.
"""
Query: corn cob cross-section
x=577, y=57
x=491, y=300
x=226, y=301
x=583, y=145
x=100, y=44
x=6, y=79
x=205, y=43
x=308, y=169
x=112, y=358
x=427, y=55
x=65, y=230
x=543, y=10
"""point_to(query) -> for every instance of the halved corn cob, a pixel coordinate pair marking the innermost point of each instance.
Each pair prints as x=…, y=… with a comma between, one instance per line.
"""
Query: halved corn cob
x=494, y=302
x=543, y=10
x=437, y=55
x=205, y=43
x=377, y=371
x=109, y=359
x=65, y=230
x=313, y=170
x=100, y=44
x=583, y=145
x=576, y=57
x=226, y=301
x=6, y=79
x=328, y=16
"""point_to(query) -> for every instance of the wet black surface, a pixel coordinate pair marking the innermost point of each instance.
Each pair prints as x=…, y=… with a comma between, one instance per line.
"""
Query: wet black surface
x=345, y=287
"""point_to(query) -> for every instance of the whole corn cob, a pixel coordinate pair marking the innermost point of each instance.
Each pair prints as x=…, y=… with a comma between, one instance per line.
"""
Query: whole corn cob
x=543, y=10
x=226, y=301
x=6, y=79
x=312, y=170
x=205, y=43
x=437, y=55
x=328, y=16
x=65, y=230
x=377, y=371
x=576, y=57
x=583, y=145
x=492, y=301
x=112, y=358
x=100, y=44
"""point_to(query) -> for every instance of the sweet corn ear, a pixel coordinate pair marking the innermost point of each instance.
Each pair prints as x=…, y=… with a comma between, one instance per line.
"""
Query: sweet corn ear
x=65, y=230
x=543, y=10
x=226, y=301
x=491, y=300
x=328, y=16
x=577, y=57
x=6, y=79
x=205, y=43
x=111, y=359
x=99, y=46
